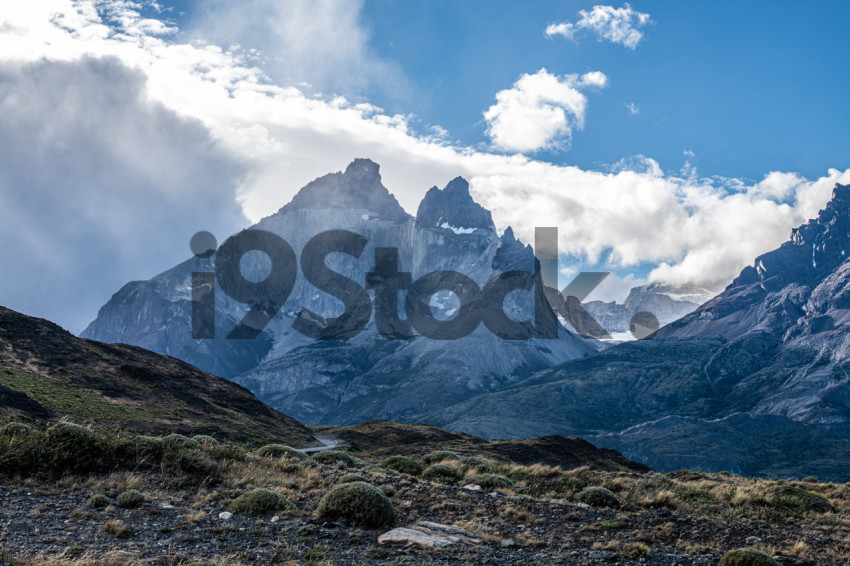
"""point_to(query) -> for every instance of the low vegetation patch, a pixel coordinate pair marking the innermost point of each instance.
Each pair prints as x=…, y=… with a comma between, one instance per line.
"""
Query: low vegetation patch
x=278, y=451
x=747, y=557
x=337, y=458
x=597, y=496
x=402, y=464
x=489, y=481
x=440, y=473
x=131, y=499
x=260, y=501
x=357, y=504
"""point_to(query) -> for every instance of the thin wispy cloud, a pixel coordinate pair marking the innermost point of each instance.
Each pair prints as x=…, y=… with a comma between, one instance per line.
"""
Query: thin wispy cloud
x=617, y=25
x=633, y=108
x=540, y=111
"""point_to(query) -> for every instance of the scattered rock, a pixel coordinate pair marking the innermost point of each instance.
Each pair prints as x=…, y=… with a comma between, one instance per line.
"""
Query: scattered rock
x=226, y=515
x=753, y=540
x=472, y=487
x=507, y=543
x=428, y=535
x=603, y=555
x=275, y=519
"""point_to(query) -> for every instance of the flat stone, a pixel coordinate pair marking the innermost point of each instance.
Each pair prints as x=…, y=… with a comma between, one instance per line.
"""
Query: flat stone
x=753, y=540
x=507, y=543
x=472, y=487
x=428, y=535
x=224, y=516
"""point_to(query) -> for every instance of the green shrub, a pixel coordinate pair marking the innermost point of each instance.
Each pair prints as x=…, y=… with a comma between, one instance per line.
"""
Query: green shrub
x=790, y=500
x=205, y=440
x=438, y=456
x=186, y=465
x=388, y=489
x=228, y=452
x=570, y=484
x=335, y=457
x=97, y=501
x=17, y=429
x=482, y=465
x=133, y=451
x=20, y=455
x=131, y=498
x=597, y=496
x=612, y=524
x=348, y=478
x=440, y=473
x=73, y=448
x=402, y=464
x=636, y=550
x=260, y=501
x=177, y=441
x=357, y=504
x=490, y=481
x=746, y=557
x=277, y=451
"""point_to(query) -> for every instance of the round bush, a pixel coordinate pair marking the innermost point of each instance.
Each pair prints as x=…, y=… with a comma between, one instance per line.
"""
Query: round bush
x=402, y=464
x=357, y=504
x=388, y=489
x=205, y=440
x=794, y=501
x=260, y=501
x=70, y=447
x=440, y=473
x=277, y=451
x=16, y=429
x=597, y=496
x=335, y=457
x=131, y=498
x=98, y=501
x=490, y=481
x=348, y=478
x=747, y=557
x=438, y=456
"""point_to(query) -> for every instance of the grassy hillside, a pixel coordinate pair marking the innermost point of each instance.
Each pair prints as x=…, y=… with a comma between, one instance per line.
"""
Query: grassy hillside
x=47, y=373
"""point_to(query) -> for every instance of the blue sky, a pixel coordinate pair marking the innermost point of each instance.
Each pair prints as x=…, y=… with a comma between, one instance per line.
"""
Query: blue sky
x=677, y=154
x=757, y=88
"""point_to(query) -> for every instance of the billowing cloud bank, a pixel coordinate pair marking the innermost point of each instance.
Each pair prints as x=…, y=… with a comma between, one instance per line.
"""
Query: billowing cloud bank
x=121, y=140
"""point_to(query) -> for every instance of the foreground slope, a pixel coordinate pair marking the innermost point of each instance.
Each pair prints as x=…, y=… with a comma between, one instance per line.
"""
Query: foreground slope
x=756, y=380
x=47, y=373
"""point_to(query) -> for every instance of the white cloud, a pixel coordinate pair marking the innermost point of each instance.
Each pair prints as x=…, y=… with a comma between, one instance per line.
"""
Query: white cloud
x=319, y=44
x=617, y=25
x=127, y=155
x=540, y=111
x=633, y=108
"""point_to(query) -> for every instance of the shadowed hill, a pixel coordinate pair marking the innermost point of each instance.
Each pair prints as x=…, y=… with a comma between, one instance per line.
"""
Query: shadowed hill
x=47, y=373
x=382, y=438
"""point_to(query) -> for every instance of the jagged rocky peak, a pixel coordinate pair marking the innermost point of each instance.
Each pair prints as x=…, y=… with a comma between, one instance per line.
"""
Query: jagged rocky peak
x=813, y=250
x=453, y=209
x=513, y=254
x=359, y=187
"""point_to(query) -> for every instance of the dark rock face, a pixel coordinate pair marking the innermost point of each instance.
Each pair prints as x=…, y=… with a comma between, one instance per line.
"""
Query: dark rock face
x=367, y=376
x=453, y=208
x=768, y=356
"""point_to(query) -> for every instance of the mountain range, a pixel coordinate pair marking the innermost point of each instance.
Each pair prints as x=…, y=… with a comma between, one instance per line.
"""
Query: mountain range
x=752, y=381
